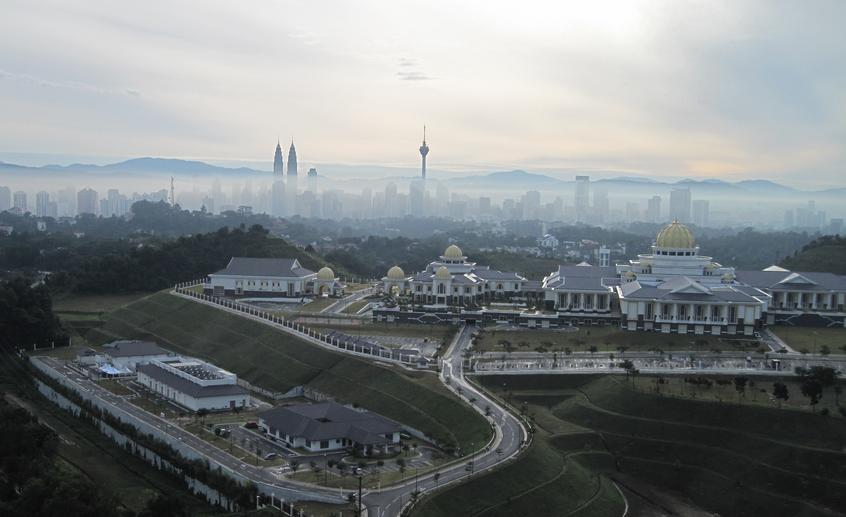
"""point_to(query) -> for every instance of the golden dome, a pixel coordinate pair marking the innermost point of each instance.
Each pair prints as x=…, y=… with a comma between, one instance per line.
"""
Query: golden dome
x=630, y=274
x=396, y=273
x=727, y=278
x=325, y=273
x=675, y=235
x=453, y=252
x=443, y=273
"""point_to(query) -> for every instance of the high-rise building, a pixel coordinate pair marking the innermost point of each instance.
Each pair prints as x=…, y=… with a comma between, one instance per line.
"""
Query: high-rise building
x=86, y=201
x=701, y=212
x=67, y=202
x=601, y=205
x=278, y=162
x=5, y=198
x=291, y=189
x=424, y=150
x=417, y=197
x=42, y=199
x=680, y=205
x=19, y=201
x=604, y=256
x=582, y=198
x=653, y=209
x=632, y=212
x=531, y=205
x=312, y=180
x=789, y=219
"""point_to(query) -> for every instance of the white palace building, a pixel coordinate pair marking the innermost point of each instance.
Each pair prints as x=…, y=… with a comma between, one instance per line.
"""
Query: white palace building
x=672, y=289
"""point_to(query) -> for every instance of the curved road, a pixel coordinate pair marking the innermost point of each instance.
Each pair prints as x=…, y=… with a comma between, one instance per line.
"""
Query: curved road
x=510, y=436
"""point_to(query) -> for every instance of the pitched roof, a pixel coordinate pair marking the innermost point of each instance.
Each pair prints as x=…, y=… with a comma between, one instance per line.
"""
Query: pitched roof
x=276, y=267
x=794, y=280
x=125, y=348
x=187, y=387
x=329, y=420
x=582, y=277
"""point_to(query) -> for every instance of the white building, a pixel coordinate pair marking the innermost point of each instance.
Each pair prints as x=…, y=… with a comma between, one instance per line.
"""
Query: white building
x=123, y=357
x=271, y=278
x=193, y=384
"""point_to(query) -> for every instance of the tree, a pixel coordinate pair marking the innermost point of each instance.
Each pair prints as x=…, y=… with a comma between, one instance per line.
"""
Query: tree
x=838, y=390
x=780, y=392
x=295, y=465
x=812, y=389
x=740, y=386
x=628, y=366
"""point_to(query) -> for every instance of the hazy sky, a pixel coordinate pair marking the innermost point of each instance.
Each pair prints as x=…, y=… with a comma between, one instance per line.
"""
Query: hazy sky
x=734, y=89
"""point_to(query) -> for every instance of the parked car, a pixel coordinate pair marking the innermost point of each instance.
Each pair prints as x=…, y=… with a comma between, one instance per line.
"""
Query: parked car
x=271, y=456
x=251, y=425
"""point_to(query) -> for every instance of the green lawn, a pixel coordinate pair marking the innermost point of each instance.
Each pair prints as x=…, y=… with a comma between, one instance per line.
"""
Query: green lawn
x=278, y=361
x=726, y=458
x=318, y=304
x=813, y=339
x=354, y=307
x=605, y=339
x=94, y=303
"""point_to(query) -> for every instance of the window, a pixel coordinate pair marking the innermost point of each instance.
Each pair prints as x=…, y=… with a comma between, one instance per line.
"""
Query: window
x=419, y=288
x=324, y=444
x=732, y=314
x=441, y=289
x=308, y=443
x=516, y=287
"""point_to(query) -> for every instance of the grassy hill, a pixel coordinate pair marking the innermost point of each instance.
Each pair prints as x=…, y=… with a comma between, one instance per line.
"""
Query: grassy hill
x=277, y=361
x=681, y=454
x=826, y=254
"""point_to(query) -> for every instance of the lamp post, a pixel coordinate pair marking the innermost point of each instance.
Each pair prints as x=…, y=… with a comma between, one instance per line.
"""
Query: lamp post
x=358, y=473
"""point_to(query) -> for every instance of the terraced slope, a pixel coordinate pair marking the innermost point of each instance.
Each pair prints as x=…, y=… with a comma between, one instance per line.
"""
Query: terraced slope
x=278, y=362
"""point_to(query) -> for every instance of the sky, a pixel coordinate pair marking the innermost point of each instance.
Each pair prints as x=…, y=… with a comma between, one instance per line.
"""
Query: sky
x=665, y=89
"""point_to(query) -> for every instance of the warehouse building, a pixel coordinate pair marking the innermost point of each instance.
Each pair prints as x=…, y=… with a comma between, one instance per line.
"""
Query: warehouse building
x=194, y=384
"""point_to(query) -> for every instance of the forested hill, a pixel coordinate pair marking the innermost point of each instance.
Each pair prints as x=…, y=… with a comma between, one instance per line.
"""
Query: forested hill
x=826, y=254
x=99, y=266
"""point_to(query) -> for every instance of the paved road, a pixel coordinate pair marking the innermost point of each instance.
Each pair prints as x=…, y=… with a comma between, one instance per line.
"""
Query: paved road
x=510, y=435
x=260, y=476
x=342, y=304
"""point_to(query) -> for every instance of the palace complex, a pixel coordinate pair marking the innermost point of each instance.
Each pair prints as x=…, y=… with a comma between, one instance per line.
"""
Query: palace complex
x=670, y=289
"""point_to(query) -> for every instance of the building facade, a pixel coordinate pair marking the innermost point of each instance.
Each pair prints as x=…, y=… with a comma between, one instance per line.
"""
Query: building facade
x=672, y=289
x=271, y=278
x=193, y=384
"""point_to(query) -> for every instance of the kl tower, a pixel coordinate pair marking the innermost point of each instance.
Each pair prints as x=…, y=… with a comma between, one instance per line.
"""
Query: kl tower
x=424, y=150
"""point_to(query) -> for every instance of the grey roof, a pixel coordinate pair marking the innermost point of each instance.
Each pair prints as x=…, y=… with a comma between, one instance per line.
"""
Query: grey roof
x=125, y=348
x=329, y=420
x=493, y=274
x=792, y=280
x=583, y=278
x=274, y=267
x=667, y=292
x=187, y=387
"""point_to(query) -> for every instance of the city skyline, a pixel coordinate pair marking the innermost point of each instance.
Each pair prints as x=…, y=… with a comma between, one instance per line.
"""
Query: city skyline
x=615, y=87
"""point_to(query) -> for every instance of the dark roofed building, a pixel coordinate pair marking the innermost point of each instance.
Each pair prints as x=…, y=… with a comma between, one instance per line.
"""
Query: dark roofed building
x=329, y=426
x=262, y=278
x=126, y=355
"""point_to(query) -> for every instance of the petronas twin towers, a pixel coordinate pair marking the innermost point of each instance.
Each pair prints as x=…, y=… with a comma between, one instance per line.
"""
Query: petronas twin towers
x=284, y=202
x=278, y=162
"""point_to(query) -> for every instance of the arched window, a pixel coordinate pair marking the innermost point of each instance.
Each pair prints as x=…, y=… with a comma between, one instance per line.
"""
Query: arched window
x=441, y=288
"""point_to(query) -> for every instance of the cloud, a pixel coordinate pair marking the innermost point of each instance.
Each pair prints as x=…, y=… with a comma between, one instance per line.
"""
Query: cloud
x=68, y=85
x=413, y=76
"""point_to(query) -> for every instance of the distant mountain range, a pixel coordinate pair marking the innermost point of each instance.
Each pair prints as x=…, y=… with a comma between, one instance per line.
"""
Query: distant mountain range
x=500, y=180
x=528, y=181
x=145, y=165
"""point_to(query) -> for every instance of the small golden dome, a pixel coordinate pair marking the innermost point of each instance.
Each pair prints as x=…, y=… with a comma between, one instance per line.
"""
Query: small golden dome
x=675, y=235
x=396, y=273
x=325, y=273
x=453, y=252
x=442, y=273
x=727, y=278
